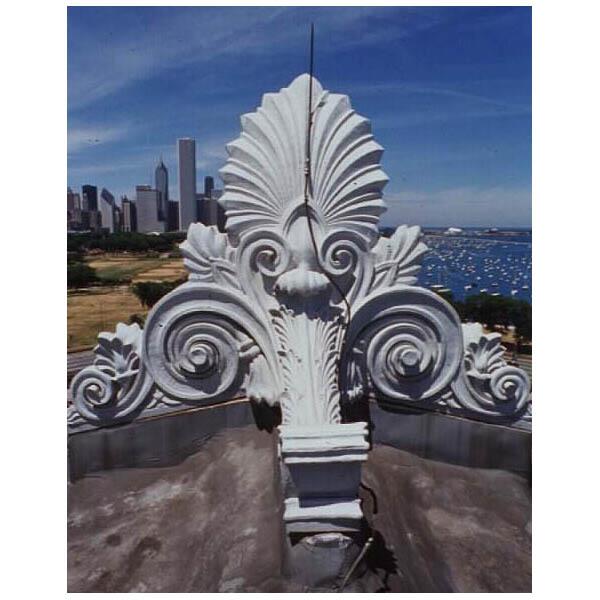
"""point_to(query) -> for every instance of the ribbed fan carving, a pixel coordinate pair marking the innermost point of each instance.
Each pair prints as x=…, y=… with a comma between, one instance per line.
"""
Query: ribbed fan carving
x=264, y=174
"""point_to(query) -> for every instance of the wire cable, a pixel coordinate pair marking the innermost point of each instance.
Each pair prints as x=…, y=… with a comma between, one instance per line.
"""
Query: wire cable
x=308, y=192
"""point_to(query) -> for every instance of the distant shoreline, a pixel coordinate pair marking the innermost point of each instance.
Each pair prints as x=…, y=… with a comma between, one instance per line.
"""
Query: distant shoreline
x=470, y=232
x=479, y=234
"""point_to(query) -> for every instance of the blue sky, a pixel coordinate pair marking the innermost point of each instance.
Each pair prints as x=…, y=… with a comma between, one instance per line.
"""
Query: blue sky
x=448, y=92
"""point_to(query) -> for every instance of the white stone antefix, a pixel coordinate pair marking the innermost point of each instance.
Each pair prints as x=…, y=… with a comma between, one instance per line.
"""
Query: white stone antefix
x=258, y=312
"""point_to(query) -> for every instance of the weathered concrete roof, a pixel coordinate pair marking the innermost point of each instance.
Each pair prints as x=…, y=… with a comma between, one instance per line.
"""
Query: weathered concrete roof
x=213, y=523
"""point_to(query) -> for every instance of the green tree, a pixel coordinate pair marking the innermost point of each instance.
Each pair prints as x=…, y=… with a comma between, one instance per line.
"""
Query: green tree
x=150, y=292
x=497, y=310
x=80, y=275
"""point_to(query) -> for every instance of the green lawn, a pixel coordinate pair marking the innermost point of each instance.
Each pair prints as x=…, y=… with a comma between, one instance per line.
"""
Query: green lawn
x=123, y=268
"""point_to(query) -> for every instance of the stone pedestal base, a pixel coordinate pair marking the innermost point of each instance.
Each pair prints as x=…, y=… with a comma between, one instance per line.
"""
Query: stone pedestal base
x=322, y=470
x=322, y=560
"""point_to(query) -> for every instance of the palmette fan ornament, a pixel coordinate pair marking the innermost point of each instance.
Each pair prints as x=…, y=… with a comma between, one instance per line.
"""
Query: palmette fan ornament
x=265, y=172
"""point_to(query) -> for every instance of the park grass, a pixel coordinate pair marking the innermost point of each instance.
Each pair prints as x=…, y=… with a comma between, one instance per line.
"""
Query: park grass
x=96, y=309
x=168, y=270
x=128, y=267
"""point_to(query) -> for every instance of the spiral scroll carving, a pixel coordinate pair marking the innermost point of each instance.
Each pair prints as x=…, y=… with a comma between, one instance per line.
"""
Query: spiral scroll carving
x=344, y=254
x=92, y=389
x=199, y=351
x=267, y=254
x=196, y=341
x=198, y=357
x=510, y=384
x=403, y=352
x=411, y=347
x=487, y=385
x=505, y=393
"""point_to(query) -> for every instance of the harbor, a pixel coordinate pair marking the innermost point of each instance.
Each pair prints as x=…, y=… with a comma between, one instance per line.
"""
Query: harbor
x=478, y=261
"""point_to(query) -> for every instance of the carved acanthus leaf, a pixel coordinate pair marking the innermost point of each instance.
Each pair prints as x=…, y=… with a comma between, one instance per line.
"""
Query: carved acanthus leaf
x=208, y=256
x=118, y=353
x=398, y=258
x=484, y=353
x=259, y=383
x=116, y=385
x=308, y=354
x=486, y=356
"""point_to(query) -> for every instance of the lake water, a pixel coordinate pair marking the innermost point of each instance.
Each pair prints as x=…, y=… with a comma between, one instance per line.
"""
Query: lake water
x=475, y=261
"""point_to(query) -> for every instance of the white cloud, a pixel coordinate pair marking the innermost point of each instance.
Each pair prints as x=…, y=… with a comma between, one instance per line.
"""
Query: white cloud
x=103, y=62
x=466, y=207
x=406, y=88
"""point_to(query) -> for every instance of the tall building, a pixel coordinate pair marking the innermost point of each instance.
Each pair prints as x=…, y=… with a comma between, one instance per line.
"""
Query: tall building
x=128, y=214
x=186, y=151
x=212, y=212
x=172, y=216
x=161, y=183
x=147, y=202
x=85, y=220
x=75, y=219
x=107, y=210
x=208, y=216
x=95, y=220
x=89, y=194
x=201, y=208
x=70, y=200
x=118, y=218
x=71, y=212
x=209, y=186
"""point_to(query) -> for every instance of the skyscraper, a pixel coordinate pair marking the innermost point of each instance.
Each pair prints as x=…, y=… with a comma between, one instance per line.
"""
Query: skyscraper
x=90, y=197
x=209, y=186
x=186, y=150
x=85, y=220
x=70, y=200
x=161, y=183
x=208, y=206
x=73, y=213
x=146, y=203
x=212, y=212
x=173, y=216
x=107, y=209
x=129, y=214
x=95, y=220
x=117, y=218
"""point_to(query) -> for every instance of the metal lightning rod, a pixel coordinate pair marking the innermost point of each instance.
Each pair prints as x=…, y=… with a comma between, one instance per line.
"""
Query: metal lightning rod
x=308, y=176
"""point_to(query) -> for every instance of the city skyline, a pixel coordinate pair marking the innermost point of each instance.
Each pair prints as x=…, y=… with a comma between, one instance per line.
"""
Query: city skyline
x=448, y=92
x=154, y=210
